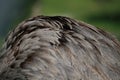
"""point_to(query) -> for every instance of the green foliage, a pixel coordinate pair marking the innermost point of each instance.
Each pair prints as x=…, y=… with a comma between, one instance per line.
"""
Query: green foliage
x=101, y=13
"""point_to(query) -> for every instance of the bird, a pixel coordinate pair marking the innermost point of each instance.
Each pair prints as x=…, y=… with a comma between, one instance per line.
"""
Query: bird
x=59, y=48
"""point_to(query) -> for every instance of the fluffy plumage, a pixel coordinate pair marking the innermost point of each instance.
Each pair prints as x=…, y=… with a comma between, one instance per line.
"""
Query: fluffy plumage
x=59, y=48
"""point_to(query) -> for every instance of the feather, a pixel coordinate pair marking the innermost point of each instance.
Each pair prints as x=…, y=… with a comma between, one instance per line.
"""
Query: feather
x=59, y=48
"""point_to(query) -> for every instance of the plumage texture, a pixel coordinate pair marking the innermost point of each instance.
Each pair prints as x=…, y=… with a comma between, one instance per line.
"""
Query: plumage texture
x=59, y=48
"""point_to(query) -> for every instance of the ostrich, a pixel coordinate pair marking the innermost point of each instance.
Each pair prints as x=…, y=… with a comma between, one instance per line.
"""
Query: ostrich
x=59, y=48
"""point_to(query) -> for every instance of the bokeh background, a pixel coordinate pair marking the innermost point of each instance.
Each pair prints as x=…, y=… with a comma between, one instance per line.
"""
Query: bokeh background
x=104, y=14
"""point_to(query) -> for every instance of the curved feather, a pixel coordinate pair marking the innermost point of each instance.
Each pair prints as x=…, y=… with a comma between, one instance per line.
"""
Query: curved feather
x=60, y=48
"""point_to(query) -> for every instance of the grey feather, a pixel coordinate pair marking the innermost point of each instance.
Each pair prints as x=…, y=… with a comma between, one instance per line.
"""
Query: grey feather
x=59, y=48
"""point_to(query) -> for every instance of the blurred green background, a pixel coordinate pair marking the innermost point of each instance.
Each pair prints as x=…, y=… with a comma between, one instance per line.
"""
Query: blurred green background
x=100, y=13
